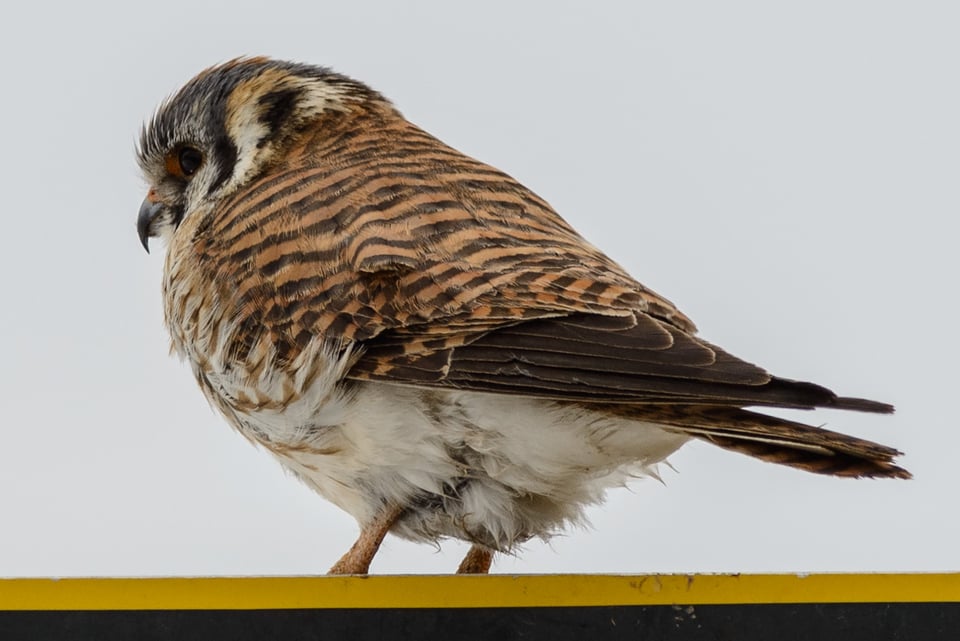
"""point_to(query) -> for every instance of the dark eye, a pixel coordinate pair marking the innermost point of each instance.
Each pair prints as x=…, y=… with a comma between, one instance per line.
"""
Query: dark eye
x=184, y=161
x=190, y=160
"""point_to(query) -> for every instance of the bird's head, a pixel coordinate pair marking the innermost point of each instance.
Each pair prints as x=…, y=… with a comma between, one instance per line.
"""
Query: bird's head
x=227, y=126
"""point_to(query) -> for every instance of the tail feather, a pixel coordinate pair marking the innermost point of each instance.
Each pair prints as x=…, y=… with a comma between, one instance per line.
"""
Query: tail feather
x=779, y=440
x=832, y=464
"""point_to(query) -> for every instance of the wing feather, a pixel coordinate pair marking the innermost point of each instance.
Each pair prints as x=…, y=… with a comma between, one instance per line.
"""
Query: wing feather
x=449, y=273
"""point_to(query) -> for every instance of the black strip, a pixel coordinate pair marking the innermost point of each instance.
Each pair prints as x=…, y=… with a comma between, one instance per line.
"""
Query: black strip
x=225, y=154
x=278, y=106
x=753, y=622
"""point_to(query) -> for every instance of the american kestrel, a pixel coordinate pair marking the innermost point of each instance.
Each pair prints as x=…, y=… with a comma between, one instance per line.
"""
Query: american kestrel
x=420, y=338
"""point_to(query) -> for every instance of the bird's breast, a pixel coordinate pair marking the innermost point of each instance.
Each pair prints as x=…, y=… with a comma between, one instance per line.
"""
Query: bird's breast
x=268, y=388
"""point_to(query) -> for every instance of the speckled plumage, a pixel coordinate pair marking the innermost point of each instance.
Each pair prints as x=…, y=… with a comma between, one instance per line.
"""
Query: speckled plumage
x=419, y=337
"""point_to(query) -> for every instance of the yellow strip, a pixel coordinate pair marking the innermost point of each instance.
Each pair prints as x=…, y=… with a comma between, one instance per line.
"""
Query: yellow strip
x=469, y=591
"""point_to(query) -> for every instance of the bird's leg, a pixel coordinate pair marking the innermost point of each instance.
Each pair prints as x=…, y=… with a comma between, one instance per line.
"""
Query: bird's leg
x=477, y=561
x=357, y=559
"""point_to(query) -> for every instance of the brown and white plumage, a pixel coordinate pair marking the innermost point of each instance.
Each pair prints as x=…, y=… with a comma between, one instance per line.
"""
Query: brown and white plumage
x=419, y=337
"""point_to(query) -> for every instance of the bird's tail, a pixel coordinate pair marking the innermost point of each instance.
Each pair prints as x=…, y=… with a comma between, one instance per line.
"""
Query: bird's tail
x=778, y=440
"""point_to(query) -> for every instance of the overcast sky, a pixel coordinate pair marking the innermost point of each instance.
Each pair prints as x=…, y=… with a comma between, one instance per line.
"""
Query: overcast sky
x=786, y=173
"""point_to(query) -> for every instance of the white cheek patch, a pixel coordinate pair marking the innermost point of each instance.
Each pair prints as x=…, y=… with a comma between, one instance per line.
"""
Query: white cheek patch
x=247, y=131
x=320, y=96
x=246, y=128
x=165, y=231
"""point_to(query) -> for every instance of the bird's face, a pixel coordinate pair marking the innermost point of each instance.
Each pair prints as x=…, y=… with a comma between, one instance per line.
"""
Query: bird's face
x=225, y=128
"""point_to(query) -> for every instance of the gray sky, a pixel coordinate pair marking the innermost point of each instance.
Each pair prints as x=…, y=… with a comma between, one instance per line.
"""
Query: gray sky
x=785, y=172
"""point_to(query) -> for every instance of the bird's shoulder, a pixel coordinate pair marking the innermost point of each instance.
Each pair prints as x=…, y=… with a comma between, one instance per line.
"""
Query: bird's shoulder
x=362, y=230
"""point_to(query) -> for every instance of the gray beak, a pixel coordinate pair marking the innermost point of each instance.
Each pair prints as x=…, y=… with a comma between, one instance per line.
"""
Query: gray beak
x=148, y=212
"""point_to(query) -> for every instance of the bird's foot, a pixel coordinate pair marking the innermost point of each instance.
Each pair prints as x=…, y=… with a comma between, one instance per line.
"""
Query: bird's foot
x=358, y=558
x=477, y=561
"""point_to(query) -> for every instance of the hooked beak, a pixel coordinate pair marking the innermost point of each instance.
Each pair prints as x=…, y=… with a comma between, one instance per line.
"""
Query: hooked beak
x=149, y=210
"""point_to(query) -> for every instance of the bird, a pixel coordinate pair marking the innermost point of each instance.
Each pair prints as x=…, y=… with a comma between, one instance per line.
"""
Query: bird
x=418, y=337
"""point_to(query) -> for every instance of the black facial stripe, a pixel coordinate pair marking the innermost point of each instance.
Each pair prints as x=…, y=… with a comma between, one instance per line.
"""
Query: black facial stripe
x=225, y=157
x=277, y=107
x=176, y=215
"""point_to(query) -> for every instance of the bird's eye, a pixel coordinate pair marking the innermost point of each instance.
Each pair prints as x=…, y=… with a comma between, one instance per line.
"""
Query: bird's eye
x=184, y=161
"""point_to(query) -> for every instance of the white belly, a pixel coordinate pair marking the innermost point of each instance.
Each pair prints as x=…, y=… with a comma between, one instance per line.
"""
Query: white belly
x=489, y=468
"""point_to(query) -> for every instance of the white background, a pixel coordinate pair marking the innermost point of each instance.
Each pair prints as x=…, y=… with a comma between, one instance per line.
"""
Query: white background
x=785, y=172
